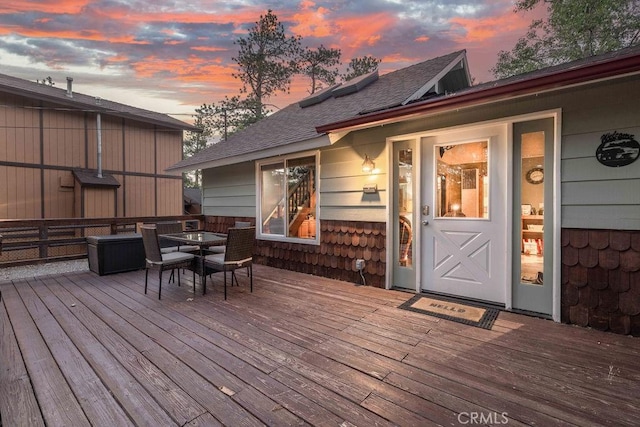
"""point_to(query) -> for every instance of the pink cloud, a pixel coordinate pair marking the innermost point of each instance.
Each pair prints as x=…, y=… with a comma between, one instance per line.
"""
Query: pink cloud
x=312, y=21
x=358, y=31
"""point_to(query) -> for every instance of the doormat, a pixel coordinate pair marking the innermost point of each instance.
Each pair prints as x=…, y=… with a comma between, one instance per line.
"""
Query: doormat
x=452, y=309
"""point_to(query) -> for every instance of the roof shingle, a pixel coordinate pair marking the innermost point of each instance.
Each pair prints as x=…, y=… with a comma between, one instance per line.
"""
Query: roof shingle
x=294, y=124
x=33, y=90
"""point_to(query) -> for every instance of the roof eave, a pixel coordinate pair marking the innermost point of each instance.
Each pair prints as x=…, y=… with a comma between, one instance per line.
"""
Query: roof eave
x=76, y=104
x=423, y=89
x=617, y=68
x=320, y=141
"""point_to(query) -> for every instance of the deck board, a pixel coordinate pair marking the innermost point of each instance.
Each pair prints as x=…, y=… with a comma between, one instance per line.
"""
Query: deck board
x=82, y=349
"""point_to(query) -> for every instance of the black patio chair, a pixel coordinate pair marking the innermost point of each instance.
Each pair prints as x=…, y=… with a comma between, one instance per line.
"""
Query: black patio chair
x=156, y=259
x=238, y=254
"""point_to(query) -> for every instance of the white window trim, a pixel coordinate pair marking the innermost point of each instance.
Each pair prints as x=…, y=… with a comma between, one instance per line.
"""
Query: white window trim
x=259, y=220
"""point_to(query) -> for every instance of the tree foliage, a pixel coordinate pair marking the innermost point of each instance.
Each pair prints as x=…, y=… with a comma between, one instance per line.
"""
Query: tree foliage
x=573, y=29
x=230, y=115
x=320, y=66
x=359, y=66
x=267, y=61
x=194, y=143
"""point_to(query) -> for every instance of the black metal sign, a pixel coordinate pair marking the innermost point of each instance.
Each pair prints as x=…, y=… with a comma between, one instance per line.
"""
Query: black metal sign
x=617, y=149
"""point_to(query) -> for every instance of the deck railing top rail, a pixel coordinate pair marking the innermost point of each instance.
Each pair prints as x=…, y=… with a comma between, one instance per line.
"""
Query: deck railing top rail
x=32, y=241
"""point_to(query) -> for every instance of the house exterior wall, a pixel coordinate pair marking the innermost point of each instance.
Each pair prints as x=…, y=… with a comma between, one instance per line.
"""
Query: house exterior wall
x=230, y=191
x=342, y=179
x=41, y=145
x=600, y=206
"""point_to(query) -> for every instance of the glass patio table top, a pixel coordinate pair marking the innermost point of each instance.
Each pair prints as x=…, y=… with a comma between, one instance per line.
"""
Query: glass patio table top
x=198, y=238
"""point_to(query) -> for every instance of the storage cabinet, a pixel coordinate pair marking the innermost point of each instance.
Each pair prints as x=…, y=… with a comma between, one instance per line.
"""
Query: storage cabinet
x=115, y=253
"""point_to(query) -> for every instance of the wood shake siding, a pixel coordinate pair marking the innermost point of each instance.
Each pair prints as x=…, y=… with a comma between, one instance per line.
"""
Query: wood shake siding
x=341, y=243
x=601, y=279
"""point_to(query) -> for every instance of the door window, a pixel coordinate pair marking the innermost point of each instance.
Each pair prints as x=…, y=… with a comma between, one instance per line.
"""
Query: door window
x=462, y=182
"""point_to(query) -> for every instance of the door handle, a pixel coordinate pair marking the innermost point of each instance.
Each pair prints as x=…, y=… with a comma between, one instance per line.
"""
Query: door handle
x=425, y=222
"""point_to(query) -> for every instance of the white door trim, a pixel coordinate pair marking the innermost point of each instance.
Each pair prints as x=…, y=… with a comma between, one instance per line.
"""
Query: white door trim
x=556, y=114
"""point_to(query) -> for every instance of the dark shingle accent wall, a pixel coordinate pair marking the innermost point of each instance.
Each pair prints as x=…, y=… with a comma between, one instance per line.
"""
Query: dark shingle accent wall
x=341, y=243
x=601, y=279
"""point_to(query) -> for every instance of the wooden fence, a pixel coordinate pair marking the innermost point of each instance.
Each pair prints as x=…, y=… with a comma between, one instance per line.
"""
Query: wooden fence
x=46, y=240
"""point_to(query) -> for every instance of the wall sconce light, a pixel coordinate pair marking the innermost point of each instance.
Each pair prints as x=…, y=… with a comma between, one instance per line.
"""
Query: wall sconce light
x=368, y=166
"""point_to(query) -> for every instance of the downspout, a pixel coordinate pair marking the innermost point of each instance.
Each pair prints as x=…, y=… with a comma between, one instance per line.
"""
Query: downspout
x=99, y=130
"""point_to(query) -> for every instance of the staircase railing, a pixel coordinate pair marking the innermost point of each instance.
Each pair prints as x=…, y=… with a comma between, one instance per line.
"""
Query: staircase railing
x=297, y=199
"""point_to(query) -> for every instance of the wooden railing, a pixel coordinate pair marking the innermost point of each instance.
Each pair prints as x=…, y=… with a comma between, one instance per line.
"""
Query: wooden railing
x=299, y=195
x=45, y=240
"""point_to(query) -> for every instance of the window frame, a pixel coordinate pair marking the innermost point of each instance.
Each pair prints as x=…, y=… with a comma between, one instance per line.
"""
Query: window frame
x=259, y=220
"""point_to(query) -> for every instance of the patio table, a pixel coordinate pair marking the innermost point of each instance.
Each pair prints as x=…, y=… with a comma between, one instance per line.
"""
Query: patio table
x=202, y=239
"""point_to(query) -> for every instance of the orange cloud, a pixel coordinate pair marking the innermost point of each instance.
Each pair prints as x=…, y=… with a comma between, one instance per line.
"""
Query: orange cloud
x=208, y=49
x=422, y=39
x=192, y=69
x=364, y=30
x=69, y=34
x=311, y=21
x=468, y=30
x=45, y=6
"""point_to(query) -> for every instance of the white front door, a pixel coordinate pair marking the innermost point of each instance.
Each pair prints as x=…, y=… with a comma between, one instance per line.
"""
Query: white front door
x=464, y=213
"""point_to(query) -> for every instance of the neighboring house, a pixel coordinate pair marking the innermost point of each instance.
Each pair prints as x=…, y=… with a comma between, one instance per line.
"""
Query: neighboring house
x=192, y=201
x=49, y=155
x=521, y=192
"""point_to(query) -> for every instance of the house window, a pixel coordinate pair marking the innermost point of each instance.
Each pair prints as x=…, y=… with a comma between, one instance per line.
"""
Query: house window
x=287, y=198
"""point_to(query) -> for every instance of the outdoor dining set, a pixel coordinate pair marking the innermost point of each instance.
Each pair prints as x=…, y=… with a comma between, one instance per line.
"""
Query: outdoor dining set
x=168, y=247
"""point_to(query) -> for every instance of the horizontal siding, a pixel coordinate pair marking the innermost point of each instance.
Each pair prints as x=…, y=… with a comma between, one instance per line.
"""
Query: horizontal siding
x=342, y=179
x=354, y=199
x=595, y=196
x=588, y=169
x=619, y=193
x=377, y=213
x=584, y=145
x=353, y=183
x=599, y=217
x=229, y=190
x=230, y=201
x=235, y=211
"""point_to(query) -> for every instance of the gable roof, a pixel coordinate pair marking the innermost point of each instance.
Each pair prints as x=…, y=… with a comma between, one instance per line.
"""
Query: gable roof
x=41, y=92
x=293, y=128
x=583, y=71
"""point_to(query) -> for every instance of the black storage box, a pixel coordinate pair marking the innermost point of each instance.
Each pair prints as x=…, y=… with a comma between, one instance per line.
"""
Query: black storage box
x=115, y=253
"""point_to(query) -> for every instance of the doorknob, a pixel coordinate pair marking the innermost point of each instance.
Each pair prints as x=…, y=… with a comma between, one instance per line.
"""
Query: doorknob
x=425, y=222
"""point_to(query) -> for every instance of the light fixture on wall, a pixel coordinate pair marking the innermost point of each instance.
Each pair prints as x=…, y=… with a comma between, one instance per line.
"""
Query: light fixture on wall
x=368, y=166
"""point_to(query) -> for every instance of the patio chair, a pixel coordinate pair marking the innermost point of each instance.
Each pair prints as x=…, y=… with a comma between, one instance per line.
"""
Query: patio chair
x=156, y=259
x=238, y=254
x=220, y=249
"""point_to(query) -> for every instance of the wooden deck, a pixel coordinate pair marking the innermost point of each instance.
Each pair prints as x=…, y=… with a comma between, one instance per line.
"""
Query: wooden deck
x=80, y=349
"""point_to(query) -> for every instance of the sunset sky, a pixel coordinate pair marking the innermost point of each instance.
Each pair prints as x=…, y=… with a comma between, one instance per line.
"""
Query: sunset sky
x=172, y=56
